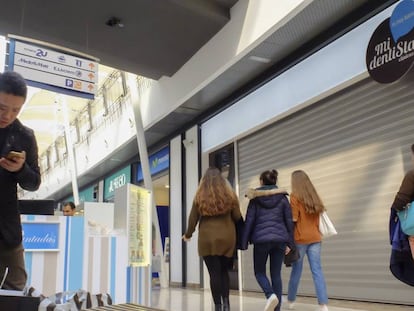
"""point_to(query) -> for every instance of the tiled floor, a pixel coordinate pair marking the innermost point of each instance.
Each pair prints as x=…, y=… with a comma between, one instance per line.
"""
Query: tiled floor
x=178, y=299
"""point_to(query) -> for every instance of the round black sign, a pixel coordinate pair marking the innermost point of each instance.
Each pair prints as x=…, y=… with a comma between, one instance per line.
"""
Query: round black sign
x=388, y=61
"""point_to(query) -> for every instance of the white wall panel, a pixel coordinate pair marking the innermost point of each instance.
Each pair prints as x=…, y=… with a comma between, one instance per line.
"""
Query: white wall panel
x=191, y=157
x=176, y=207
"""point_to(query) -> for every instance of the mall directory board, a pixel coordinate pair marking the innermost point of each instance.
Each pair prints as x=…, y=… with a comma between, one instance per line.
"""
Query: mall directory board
x=53, y=68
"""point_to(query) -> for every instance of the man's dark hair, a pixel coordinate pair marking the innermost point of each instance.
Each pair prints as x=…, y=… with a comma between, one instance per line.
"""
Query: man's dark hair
x=71, y=204
x=412, y=148
x=13, y=83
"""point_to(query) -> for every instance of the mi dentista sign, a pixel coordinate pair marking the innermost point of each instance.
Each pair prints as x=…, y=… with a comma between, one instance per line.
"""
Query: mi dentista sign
x=390, y=51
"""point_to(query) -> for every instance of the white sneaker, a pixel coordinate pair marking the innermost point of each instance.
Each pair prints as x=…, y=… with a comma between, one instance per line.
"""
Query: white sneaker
x=323, y=308
x=291, y=305
x=271, y=303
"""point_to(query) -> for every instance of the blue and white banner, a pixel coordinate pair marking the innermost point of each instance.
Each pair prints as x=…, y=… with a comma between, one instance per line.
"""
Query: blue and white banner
x=40, y=236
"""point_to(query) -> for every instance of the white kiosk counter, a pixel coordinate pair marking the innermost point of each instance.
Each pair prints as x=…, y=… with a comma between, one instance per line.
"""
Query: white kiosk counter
x=64, y=253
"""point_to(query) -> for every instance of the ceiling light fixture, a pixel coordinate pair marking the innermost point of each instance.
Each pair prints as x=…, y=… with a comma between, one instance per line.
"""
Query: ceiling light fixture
x=260, y=59
x=115, y=160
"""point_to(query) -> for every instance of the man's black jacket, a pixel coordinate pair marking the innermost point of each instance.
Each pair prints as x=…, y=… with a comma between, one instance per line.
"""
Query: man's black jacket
x=18, y=138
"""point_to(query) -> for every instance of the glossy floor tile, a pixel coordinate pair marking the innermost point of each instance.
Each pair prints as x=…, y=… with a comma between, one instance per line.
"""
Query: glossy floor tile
x=179, y=299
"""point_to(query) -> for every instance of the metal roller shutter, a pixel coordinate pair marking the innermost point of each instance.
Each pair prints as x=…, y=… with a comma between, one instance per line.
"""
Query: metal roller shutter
x=355, y=145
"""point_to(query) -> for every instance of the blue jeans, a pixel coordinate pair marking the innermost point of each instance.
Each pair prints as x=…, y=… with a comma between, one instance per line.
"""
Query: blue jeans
x=313, y=251
x=261, y=252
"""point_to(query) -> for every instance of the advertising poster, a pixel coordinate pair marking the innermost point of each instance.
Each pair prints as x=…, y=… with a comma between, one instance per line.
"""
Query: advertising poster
x=139, y=244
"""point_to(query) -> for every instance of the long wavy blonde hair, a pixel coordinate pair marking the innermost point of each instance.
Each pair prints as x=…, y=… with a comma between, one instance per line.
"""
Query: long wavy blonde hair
x=305, y=192
x=215, y=195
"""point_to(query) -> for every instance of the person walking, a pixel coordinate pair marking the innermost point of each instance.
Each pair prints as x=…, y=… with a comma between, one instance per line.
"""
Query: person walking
x=306, y=206
x=216, y=210
x=18, y=166
x=402, y=254
x=405, y=193
x=405, y=196
x=269, y=227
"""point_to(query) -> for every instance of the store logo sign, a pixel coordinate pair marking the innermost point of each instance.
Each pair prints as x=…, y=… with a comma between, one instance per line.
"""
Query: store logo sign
x=159, y=162
x=390, y=52
x=117, y=182
x=40, y=236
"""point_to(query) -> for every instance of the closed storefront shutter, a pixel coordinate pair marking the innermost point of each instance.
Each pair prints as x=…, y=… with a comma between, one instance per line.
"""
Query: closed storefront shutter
x=355, y=145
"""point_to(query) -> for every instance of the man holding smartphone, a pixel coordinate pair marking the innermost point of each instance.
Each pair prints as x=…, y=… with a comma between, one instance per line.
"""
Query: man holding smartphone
x=18, y=166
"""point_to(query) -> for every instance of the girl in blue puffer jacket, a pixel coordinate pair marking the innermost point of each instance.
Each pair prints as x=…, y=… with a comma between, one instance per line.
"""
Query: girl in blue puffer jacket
x=269, y=227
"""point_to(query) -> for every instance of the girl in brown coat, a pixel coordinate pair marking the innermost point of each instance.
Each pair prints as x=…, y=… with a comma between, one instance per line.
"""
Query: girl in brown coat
x=216, y=209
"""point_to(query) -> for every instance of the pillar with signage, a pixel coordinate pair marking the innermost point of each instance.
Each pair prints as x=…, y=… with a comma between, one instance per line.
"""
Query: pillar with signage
x=158, y=162
x=132, y=215
x=143, y=155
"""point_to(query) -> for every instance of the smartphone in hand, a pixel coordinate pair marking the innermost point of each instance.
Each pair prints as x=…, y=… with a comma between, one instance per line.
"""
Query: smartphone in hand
x=14, y=154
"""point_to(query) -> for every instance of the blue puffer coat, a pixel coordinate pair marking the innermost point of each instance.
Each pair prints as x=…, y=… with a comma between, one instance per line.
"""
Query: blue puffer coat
x=268, y=218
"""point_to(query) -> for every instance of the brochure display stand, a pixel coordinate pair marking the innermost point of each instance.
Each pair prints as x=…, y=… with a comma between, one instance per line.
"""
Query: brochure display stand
x=133, y=216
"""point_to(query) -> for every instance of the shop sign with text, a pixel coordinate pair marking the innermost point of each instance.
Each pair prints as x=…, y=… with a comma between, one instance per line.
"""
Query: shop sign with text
x=390, y=52
x=116, y=181
x=40, y=236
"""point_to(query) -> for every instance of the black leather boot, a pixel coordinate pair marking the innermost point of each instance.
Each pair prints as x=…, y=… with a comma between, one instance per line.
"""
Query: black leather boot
x=218, y=307
x=226, y=304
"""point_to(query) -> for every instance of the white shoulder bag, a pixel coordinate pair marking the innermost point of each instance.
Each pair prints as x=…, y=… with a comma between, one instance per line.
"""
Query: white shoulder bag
x=326, y=226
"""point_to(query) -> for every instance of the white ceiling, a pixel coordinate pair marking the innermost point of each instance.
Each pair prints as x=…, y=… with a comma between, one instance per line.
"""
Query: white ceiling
x=152, y=38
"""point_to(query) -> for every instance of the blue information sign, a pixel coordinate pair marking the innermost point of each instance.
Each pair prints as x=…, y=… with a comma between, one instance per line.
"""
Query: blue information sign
x=53, y=69
x=158, y=162
x=40, y=236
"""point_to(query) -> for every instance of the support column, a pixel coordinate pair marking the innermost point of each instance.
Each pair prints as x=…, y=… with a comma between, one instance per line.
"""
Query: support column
x=61, y=99
x=143, y=156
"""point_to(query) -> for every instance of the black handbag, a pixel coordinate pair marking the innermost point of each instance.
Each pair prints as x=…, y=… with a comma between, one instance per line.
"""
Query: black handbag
x=291, y=257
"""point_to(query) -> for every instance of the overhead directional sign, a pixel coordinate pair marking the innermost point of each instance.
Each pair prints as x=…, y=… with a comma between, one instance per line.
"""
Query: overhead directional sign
x=54, y=70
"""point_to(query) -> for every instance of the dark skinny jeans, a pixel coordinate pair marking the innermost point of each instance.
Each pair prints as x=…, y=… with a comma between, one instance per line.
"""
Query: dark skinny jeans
x=276, y=252
x=218, y=267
